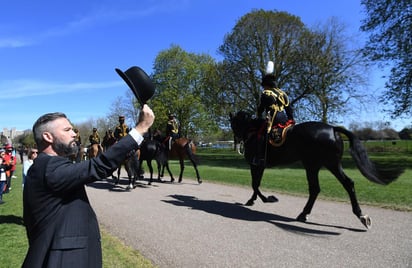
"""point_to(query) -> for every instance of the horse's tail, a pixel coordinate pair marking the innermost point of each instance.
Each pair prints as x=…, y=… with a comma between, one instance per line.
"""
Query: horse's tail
x=369, y=169
x=190, y=148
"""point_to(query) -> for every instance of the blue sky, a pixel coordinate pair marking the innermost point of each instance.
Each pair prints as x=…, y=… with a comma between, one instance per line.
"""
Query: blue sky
x=60, y=55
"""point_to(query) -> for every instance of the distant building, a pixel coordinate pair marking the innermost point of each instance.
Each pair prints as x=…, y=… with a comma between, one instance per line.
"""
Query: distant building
x=8, y=135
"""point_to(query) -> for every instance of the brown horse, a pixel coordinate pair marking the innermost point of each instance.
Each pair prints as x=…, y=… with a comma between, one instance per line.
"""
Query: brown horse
x=94, y=150
x=180, y=149
x=78, y=157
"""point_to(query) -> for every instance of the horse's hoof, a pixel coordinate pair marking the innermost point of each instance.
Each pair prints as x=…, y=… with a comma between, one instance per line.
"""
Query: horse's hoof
x=249, y=203
x=302, y=217
x=172, y=180
x=272, y=199
x=180, y=180
x=366, y=221
x=199, y=181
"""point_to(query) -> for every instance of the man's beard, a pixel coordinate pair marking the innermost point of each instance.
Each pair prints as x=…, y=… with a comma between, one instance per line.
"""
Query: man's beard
x=65, y=149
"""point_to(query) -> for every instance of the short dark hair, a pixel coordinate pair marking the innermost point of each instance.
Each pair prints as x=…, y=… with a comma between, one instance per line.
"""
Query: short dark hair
x=41, y=125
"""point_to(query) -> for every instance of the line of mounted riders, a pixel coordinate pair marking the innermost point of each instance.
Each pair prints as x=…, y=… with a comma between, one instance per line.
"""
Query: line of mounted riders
x=154, y=147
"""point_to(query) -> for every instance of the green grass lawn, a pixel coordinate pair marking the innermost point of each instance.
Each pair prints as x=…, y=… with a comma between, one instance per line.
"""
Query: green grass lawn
x=226, y=166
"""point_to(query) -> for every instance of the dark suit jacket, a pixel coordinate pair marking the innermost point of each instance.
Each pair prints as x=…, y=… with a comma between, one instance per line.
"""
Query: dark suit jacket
x=61, y=226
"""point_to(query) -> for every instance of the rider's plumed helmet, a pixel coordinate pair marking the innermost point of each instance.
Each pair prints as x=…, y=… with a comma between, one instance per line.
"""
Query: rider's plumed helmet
x=268, y=79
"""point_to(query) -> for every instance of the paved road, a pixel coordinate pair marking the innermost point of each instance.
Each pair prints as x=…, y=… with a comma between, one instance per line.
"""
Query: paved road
x=191, y=225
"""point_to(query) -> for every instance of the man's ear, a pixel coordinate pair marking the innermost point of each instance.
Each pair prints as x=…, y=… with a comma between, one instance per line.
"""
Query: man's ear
x=48, y=137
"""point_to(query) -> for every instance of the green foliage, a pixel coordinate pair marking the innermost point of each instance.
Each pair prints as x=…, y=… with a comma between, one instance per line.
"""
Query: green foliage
x=389, y=23
x=314, y=66
x=180, y=89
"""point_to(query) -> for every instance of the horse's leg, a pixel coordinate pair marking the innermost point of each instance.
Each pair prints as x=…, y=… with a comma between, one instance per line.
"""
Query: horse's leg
x=192, y=159
x=130, y=175
x=166, y=164
x=159, y=170
x=314, y=189
x=349, y=186
x=118, y=174
x=182, y=167
x=257, y=173
x=199, y=180
x=149, y=164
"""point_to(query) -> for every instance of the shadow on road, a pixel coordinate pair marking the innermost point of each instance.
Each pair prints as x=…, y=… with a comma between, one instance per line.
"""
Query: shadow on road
x=239, y=212
x=122, y=186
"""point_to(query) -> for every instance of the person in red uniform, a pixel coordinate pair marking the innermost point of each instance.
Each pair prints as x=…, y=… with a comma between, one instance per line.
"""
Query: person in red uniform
x=9, y=159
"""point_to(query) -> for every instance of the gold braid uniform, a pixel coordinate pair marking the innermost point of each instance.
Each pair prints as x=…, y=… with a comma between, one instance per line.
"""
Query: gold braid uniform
x=277, y=106
x=121, y=131
x=94, y=138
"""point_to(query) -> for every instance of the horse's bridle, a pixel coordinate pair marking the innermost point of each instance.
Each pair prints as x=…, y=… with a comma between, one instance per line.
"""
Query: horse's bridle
x=240, y=148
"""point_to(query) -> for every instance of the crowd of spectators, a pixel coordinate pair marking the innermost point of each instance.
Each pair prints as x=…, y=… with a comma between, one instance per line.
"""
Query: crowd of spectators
x=8, y=161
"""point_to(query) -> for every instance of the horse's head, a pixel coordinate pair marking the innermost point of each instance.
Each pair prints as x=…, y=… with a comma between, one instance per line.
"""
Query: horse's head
x=240, y=123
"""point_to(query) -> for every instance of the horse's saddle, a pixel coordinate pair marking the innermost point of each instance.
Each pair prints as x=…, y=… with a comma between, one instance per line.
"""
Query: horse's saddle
x=277, y=134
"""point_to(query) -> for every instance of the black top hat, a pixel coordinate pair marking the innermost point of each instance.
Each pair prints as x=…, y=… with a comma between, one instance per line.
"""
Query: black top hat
x=139, y=82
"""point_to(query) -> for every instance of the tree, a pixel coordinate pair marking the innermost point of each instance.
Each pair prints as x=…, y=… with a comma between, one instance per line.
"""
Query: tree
x=405, y=134
x=389, y=23
x=314, y=67
x=179, y=77
x=329, y=75
x=258, y=37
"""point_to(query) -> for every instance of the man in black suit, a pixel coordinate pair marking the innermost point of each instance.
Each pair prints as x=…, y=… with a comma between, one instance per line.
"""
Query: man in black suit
x=61, y=226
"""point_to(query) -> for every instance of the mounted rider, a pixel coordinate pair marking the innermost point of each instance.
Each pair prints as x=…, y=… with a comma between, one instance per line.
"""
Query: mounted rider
x=108, y=139
x=121, y=129
x=94, y=138
x=172, y=129
x=275, y=103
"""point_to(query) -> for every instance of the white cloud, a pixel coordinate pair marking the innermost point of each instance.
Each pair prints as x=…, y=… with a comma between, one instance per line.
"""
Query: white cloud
x=104, y=14
x=25, y=88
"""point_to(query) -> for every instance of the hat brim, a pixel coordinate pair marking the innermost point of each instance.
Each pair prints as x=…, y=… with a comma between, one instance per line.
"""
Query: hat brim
x=139, y=82
x=129, y=83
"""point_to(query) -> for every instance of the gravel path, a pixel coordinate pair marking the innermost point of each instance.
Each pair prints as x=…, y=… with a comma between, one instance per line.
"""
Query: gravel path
x=192, y=225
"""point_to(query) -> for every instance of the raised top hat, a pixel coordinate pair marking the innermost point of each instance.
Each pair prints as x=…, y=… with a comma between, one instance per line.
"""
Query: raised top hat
x=139, y=82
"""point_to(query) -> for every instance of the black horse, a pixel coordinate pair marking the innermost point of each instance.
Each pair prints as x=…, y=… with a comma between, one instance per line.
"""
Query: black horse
x=316, y=145
x=151, y=149
x=132, y=166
